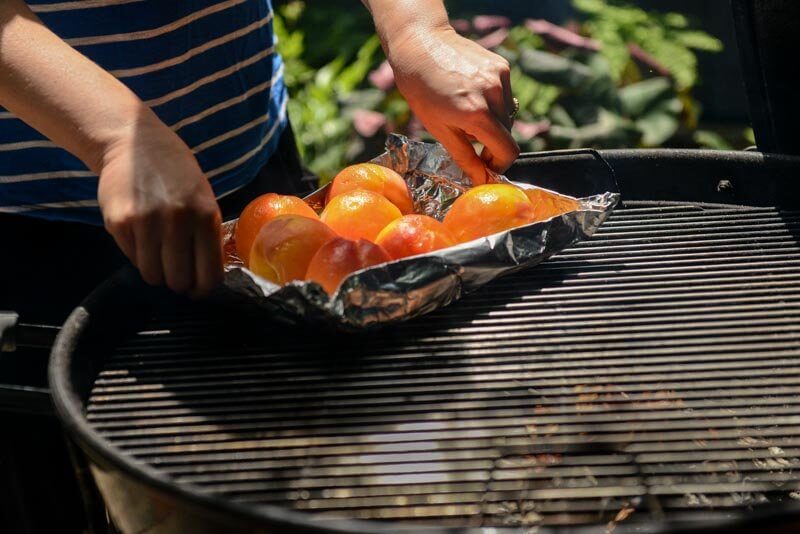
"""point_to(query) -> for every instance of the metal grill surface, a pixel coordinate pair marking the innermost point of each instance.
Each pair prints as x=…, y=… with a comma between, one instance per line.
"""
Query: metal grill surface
x=652, y=372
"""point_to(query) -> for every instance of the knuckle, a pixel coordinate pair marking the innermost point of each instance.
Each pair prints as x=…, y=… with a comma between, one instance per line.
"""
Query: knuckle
x=473, y=106
x=502, y=65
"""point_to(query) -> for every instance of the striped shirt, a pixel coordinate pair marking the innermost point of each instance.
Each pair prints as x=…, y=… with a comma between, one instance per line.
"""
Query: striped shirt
x=208, y=69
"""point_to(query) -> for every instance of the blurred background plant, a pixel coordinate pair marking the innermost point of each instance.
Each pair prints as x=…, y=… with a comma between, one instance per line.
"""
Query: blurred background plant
x=613, y=76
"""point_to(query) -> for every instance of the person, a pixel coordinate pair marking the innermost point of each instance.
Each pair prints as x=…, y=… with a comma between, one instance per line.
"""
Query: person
x=129, y=129
x=137, y=116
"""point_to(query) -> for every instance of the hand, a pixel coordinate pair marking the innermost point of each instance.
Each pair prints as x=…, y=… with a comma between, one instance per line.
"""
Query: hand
x=461, y=92
x=160, y=208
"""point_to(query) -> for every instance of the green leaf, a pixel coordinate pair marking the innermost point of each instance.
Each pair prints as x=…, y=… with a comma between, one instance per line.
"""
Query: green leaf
x=749, y=136
x=560, y=117
x=657, y=127
x=351, y=76
x=676, y=20
x=610, y=130
x=595, y=7
x=711, y=140
x=551, y=69
x=699, y=41
x=638, y=98
x=364, y=99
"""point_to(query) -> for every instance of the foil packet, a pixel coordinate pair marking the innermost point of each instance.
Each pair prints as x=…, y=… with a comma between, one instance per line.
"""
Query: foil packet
x=413, y=286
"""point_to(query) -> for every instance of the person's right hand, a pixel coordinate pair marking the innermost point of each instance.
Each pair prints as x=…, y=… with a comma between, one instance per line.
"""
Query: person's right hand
x=160, y=208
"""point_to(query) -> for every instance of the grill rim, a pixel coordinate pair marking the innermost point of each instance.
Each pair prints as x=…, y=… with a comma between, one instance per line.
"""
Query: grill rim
x=69, y=405
x=65, y=374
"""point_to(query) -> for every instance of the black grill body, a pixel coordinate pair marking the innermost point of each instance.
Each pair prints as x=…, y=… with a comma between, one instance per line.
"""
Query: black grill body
x=646, y=380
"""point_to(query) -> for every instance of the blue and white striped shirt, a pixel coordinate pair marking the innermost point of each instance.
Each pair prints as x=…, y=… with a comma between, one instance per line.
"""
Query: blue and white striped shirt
x=208, y=68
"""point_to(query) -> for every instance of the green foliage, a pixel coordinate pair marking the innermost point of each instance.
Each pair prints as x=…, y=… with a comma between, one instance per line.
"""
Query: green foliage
x=712, y=140
x=579, y=98
x=666, y=36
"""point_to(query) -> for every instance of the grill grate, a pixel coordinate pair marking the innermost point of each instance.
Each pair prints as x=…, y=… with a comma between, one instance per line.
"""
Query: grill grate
x=649, y=373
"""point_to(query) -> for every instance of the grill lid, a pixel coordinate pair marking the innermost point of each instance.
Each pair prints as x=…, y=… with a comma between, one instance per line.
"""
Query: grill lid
x=648, y=374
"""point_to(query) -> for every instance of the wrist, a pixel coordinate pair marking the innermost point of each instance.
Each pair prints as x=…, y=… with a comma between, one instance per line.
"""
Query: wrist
x=400, y=26
x=131, y=126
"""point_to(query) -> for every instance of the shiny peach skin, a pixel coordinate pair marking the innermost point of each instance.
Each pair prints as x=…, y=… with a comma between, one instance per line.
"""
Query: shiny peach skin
x=411, y=235
x=547, y=205
x=339, y=258
x=377, y=179
x=359, y=214
x=487, y=209
x=285, y=245
x=259, y=212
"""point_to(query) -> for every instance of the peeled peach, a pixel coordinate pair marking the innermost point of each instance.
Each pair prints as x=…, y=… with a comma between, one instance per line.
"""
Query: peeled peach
x=338, y=258
x=259, y=212
x=375, y=178
x=414, y=234
x=284, y=247
x=488, y=209
x=359, y=214
x=546, y=204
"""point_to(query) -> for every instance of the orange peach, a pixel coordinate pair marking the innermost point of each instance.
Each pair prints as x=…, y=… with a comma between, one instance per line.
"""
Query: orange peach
x=377, y=179
x=359, y=214
x=546, y=204
x=488, y=209
x=284, y=247
x=414, y=234
x=338, y=258
x=259, y=212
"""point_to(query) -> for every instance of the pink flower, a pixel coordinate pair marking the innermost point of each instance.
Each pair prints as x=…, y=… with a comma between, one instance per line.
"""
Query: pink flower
x=382, y=77
x=529, y=130
x=493, y=39
x=561, y=37
x=461, y=25
x=487, y=23
x=367, y=123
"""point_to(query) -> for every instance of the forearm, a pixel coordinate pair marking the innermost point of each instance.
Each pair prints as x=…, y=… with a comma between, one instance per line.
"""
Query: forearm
x=399, y=20
x=60, y=92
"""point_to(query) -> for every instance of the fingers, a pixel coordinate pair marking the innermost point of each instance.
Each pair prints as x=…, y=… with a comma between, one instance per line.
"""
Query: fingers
x=207, y=253
x=123, y=236
x=178, y=248
x=508, y=96
x=498, y=105
x=147, y=235
x=501, y=150
x=177, y=252
x=457, y=144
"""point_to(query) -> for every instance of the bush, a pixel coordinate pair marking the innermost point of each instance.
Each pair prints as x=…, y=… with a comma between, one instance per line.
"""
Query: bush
x=619, y=77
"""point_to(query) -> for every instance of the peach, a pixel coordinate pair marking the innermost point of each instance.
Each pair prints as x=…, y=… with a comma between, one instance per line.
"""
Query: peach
x=377, y=179
x=546, y=204
x=259, y=212
x=284, y=247
x=338, y=258
x=359, y=214
x=488, y=209
x=411, y=235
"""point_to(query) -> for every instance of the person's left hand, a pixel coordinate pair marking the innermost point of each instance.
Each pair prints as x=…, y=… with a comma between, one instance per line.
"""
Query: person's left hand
x=460, y=92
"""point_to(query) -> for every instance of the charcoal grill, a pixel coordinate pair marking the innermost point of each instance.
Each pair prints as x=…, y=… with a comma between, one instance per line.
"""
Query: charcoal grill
x=646, y=380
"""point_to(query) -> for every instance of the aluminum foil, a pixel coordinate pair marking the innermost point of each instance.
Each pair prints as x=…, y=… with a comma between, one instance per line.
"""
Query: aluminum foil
x=413, y=286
